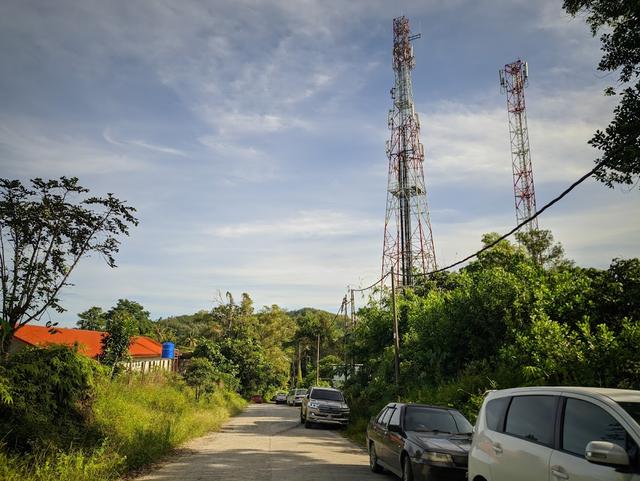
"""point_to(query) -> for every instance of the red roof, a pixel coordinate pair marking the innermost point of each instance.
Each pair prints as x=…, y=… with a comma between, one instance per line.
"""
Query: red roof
x=89, y=342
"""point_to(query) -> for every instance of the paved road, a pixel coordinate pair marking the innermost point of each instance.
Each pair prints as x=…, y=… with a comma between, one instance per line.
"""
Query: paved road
x=268, y=443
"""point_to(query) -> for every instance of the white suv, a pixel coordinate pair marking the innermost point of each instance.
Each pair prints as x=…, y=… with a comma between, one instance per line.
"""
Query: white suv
x=557, y=434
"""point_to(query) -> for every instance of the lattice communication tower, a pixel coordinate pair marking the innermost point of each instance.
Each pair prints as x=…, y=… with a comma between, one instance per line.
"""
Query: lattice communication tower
x=513, y=80
x=408, y=239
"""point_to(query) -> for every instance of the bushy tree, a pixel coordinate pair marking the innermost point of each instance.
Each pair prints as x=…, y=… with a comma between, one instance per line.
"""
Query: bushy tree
x=93, y=319
x=143, y=325
x=45, y=229
x=201, y=375
x=120, y=328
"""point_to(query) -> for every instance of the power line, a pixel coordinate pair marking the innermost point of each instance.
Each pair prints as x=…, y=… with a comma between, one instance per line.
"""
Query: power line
x=504, y=236
x=523, y=223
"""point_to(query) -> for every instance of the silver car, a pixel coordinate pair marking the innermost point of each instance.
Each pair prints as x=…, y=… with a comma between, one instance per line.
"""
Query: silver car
x=324, y=405
x=557, y=434
x=295, y=396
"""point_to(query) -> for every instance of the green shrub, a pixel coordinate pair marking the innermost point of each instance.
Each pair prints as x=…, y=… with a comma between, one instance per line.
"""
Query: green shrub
x=51, y=391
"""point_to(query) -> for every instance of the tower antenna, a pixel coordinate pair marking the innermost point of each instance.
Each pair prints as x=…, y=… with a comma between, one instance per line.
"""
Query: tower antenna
x=513, y=80
x=408, y=245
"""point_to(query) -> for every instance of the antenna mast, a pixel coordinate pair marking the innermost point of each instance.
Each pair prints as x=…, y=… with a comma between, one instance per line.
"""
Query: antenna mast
x=513, y=80
x=408, y=241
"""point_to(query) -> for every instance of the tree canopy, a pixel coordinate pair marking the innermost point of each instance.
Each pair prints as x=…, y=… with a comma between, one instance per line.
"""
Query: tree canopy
x=620, y=141
x=46, y=227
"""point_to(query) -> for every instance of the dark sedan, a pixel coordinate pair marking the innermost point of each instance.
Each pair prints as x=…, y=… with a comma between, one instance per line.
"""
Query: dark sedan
x=419, y=442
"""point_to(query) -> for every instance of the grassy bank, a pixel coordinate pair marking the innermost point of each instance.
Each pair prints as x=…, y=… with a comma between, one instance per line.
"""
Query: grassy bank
x=139, y=420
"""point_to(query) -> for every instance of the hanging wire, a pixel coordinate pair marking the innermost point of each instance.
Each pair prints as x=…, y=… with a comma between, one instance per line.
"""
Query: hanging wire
x=501, y=238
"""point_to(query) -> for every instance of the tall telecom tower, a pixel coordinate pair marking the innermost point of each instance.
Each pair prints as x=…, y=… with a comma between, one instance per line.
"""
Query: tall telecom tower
x=513, y=79
x=408, y=240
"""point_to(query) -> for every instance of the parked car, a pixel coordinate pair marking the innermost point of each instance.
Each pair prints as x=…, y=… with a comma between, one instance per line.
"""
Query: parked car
x=324, y=405
x=419, y=442
x=295, y=397
x=257, y=399
x=280, y=398
x=557, y=433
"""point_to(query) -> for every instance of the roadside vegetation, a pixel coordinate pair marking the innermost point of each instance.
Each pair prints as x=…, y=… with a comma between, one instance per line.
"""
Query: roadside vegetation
x=64, y=418
x=521, y=314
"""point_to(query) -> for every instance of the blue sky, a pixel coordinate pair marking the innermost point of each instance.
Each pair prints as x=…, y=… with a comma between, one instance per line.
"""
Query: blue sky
x=250, y=136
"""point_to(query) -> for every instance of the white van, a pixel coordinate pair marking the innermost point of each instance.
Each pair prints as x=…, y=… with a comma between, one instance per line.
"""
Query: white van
x=557, y=434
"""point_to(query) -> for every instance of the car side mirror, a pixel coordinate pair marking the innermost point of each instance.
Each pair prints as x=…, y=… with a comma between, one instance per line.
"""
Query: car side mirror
x=604, y=452
x=394, y=428
x=307, y=396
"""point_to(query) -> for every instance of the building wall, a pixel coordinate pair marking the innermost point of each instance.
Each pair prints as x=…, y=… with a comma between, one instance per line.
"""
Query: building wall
x=152, y=364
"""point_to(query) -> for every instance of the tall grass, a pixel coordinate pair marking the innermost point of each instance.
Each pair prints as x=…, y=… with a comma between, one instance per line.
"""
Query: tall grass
x=141, y=419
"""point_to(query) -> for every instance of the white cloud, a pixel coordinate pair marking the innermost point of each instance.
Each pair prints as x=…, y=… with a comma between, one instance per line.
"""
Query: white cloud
x=29, y=151
x=315, y=223
x=470, y=143
x=108, y=136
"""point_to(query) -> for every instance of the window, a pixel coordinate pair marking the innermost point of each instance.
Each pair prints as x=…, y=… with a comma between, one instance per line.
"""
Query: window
x=633, y=409
x=381, y=415
x=429, y=419
x=494, y=413
x=532, y=418
x=585, y=422
x=464, y=426
x=327, y=395
x=395, y=418
x=387, y=415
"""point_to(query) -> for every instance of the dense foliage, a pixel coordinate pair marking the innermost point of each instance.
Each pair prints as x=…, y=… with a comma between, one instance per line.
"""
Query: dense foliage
x=257, y=352
x=620, y=141
x=66, y=419
x=504, y=320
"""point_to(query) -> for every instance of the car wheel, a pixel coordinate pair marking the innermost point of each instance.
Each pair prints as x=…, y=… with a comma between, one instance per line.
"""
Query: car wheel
x=308, y=424
x=407, y=473
x=373, y=459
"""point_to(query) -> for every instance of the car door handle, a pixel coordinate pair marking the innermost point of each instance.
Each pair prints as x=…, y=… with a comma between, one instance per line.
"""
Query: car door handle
x=559, y=472
x=497, y=448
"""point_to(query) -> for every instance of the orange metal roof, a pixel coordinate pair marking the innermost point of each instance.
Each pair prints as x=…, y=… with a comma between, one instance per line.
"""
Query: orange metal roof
x=89, y=342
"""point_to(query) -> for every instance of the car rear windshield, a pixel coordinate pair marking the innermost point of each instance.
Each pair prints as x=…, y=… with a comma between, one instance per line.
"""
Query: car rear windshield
x=301, y=391
x=633, y=409
x=440, y=420
x=327, y=395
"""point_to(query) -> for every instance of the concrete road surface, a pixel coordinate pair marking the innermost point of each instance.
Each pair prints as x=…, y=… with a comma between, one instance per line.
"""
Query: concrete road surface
x=267, y=443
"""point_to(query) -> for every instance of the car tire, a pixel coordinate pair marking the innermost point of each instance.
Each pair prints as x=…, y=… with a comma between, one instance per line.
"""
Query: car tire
x=373, y=459
x=407, y=471
x=308, y=424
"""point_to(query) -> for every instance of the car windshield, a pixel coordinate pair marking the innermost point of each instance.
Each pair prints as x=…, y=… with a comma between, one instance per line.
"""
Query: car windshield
x=439, y=420
x=327, y=395
x=633, y=409
x=301, y=391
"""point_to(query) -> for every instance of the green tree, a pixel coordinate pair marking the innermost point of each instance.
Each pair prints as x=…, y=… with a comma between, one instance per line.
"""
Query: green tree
x=45, y=229
x=200, y=374
x=93, y=319
x=540, y=246
x=120, y=328
x=619, y=143
x=136, y=312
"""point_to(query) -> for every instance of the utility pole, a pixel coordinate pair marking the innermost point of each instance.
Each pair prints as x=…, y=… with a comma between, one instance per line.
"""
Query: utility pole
x=318, y=362
x=396, y=336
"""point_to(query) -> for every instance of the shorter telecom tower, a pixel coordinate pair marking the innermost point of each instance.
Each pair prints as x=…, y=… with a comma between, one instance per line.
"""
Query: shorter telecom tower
x=513, y=79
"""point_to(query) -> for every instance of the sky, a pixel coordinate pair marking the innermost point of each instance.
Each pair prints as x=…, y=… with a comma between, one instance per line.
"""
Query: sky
x=250, y=136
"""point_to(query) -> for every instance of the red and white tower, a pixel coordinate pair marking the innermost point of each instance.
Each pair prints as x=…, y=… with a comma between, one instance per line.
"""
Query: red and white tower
x=408, y=240
x=513, y=79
